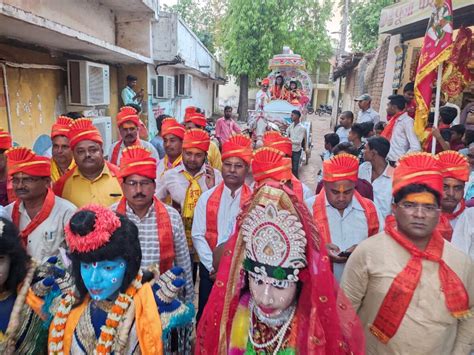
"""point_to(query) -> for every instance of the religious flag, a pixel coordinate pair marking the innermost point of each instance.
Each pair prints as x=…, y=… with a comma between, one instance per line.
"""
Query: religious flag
x=436, y=49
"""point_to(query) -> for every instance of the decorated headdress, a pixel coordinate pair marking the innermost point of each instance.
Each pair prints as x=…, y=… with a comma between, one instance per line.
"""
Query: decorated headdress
x=24, y=160
x=341, y=167
x=171, y=126
x=196, y=138
x=275, y=140
x=5, y=139
x=83, y=129
x=238, y=146
x=417, y=168
x=266, y=81
x=137, y=160
x=128, y=114
x=188, y=111
x=269, y=163
x=61, y=127
x=197, y=118
x=453, y=165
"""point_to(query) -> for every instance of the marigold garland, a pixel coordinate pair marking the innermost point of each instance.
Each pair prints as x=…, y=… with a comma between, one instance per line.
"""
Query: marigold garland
x=108, y=330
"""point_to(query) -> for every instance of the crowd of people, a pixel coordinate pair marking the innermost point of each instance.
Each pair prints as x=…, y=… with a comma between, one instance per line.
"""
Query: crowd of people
x=101, y=252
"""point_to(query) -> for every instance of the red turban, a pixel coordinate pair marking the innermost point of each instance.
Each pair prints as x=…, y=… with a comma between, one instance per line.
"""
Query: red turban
x=5, y=140
x=24, y=160
x=128, y=114
x=171, y=126
x=275, y=140
x=417, y=168
x=238, y=146
x=82, y=129
x=269, y=163
x=341, y=167
x=188, y=111
x=197, y=118
x=266, y=81
x=61, y=127
x=453, y=165
x=137, y=160
x=196, y=138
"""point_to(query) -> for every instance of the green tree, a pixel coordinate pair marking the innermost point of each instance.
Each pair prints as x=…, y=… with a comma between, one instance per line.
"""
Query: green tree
x=364, y=17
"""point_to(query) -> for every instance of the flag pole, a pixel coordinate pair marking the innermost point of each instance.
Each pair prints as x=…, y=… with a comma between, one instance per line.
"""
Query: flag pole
x=438, y=96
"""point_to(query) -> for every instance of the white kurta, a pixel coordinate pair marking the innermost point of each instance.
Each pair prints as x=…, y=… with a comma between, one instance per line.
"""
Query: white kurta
x=404, y=139
x=143, y=143
x=463, y=234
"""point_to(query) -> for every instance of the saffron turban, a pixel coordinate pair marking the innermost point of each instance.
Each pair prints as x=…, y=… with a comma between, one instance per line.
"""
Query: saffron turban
x=341, y=167
x=266, y=81
x=82, y=129
x=238, y=146
x=453, y=165
x=188, y=111
x=196, y=138
x=61, y=127
x=24, y=160
x=128, y=114
x=417, y=168
x=171, y=126
x=5, y=140
x=197, y=118
x=269, y=163
x=137, y=160
x=275, y=140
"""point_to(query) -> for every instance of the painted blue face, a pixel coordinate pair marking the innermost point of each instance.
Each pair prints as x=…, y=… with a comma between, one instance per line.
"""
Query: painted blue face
x=103, y=278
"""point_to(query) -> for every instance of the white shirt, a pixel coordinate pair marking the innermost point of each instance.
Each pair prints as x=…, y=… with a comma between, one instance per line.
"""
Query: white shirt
x=382, y=187
x=404, y=139
x=297, y=133
x=343, y=134
x=160, y=171
x=463, y=234
x=369, y=115
x=175, y=183
x=229, y=208
x=144, y=144
x=346, y=230
x=262, y=98
x=48, y=237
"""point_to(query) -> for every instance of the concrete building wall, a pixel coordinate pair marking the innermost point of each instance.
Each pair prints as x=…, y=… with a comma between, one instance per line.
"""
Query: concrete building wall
x=134, y=32
x=165, y=37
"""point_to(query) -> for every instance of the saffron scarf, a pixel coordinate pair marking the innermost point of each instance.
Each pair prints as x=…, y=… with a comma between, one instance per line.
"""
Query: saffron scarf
x=212, y=211
x=193, y=193
x=116, y=151
x=444, y=225
x=388, y=130
x=321, y=218
x=297, y=187
x=398, y=298
x=42, y=215
x=164, y=230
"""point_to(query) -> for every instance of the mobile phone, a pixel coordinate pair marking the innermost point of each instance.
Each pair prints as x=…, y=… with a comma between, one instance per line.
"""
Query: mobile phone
x=344, y=254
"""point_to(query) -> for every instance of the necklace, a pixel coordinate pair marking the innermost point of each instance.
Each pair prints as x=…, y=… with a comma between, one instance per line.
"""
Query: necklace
x=276, y=321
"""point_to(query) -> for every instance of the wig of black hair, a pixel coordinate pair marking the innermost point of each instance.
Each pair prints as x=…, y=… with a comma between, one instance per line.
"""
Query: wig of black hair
x=415, y=188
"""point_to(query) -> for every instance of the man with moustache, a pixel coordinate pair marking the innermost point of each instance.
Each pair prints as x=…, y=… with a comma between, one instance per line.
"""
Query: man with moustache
x=160, y=229
x=39, y=215
x=217, y=209
x=93, y=179
x=62, y=160
x=172, y=133
x=128, y=123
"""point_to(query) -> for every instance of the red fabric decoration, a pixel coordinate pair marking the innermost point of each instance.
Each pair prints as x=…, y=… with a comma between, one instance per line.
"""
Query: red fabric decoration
x=128, y=114
x=61, y=127
x=341, y=167
x=82, y=129
x=188, y=111
x=24, y=160
x=171, y=126
x=266, y=81
x=238, y=146
x=275, y=140
x=269, y=163
x=137, y=160
x=5, y=140
x=197, y=118
x=196, y=138
x=454, y=165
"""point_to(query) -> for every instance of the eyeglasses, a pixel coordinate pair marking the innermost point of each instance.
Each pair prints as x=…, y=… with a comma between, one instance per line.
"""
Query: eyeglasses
x=143, y=183
x=411, y=208
x=25, y=181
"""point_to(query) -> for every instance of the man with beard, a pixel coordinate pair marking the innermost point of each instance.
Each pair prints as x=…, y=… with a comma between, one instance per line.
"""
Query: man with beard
x=226, y=126
x=39, y=215
x=217, y=209
x=128, y=123
x=92, y=180
x=173, y=134
x=160, y=229
x=62, y=160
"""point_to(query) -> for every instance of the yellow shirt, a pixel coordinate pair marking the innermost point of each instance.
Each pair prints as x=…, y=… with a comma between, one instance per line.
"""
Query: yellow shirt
x=56, y=173
x=105, y=190
x=214, y=156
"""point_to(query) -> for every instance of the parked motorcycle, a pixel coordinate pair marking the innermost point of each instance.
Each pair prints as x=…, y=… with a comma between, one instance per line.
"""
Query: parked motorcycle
x=324, y=109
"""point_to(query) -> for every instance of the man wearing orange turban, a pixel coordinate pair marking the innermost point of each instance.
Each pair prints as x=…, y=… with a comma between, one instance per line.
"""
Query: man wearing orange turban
x=217, y=209
x=263, y=95
x=185, y=183
x=195, y=119
x=62, y=160
x=6, y=188
x=344, y=218
x=172, y=133
x=39, y=215
x=128, y=123
x=408, y=281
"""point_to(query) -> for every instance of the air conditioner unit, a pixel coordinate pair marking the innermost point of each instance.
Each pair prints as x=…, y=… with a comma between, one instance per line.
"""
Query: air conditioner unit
x=104, y=125
x=184, y=85
x=165, y=87
x=88, y=83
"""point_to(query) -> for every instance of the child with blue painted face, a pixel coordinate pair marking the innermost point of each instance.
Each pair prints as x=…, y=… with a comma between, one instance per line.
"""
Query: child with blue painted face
x=114, y=309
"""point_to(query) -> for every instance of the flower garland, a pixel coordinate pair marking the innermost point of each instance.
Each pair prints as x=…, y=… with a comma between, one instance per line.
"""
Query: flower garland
x=108, y=330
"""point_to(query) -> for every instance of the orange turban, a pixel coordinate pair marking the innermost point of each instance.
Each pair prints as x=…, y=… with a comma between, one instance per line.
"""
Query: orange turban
x=24, y=160
x=82, y=129
x=275, y=140
x=128, y=114
x=269, y=163
x=197, y=118
x=188, y=111
x=137, y=160
x=238, y=146
x=5, y=140
x=171, y=126
x=417, y=168
x=61, y=127
x=341, y=167
x=196, y=138
x=453, y=165
x=266, y=81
